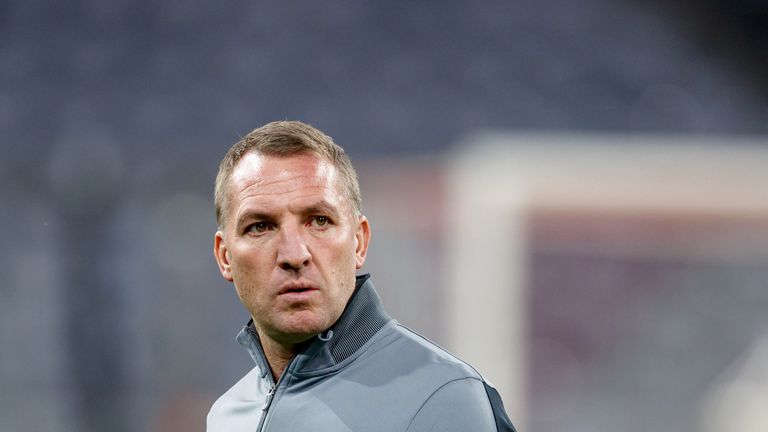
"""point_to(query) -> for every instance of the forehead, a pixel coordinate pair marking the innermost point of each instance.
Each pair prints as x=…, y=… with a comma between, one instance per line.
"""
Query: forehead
x=293, y=176
x=255, y=166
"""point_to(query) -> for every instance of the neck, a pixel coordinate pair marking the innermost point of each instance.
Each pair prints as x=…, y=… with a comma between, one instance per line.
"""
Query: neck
x=278, y=355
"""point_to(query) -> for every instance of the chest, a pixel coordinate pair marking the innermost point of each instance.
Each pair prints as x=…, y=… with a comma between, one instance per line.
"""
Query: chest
x=343, y=402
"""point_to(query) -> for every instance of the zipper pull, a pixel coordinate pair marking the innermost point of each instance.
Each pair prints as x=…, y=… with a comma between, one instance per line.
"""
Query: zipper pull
x=270, y=395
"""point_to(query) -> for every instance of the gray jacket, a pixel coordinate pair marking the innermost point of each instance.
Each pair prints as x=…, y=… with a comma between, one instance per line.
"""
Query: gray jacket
x=366, y=373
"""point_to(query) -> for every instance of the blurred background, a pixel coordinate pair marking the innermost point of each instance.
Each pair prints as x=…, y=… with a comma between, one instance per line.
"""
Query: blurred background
x=570, y=194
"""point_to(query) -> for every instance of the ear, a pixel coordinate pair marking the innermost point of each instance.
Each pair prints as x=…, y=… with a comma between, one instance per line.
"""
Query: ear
x=362, y=239
x=221, y=254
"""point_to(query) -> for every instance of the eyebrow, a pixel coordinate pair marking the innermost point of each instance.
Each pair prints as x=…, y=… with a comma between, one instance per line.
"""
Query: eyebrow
x=321, y=206
x=248, y=215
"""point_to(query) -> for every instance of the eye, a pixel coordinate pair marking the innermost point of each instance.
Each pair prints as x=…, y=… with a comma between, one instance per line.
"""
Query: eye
x=258, y=227
x=321, y=221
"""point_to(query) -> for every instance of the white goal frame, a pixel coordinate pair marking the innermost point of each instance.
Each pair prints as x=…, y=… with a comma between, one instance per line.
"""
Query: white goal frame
x=496, y=179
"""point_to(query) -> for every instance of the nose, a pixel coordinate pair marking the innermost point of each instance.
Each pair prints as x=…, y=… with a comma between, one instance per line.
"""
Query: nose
x=292, y=252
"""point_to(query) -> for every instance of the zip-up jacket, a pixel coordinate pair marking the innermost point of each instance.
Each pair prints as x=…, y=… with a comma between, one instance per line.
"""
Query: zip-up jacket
x=367, y=373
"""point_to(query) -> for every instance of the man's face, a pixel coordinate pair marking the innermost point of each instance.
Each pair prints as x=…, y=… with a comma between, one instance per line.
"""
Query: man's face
x=290, y=243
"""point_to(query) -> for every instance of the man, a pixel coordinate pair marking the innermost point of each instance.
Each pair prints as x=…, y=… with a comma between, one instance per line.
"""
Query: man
x=328, y=357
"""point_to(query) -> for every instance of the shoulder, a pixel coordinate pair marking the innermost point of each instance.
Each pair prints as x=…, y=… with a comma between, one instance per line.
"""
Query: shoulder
x=406, y=363
x=435, y=356
x=458, y=397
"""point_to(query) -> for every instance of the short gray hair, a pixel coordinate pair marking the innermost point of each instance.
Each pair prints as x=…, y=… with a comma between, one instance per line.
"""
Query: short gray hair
x=286, y=138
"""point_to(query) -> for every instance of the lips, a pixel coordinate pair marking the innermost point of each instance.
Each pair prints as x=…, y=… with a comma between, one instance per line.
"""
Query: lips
x=297, y=288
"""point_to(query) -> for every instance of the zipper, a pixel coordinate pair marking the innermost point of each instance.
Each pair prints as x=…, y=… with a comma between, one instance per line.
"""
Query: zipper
x=270, y=396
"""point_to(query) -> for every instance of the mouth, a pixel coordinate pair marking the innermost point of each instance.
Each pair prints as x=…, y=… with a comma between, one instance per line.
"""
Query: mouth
x=297, y=288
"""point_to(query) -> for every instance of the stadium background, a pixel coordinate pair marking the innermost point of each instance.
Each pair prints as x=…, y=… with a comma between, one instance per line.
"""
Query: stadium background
x=114, y=115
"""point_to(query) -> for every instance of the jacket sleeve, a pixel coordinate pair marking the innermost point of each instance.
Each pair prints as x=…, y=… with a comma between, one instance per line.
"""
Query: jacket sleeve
x=459, y=406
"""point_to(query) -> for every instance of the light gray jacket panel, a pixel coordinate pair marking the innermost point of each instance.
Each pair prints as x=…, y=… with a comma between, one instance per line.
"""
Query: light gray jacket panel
x=368, y=373
x=459, y=405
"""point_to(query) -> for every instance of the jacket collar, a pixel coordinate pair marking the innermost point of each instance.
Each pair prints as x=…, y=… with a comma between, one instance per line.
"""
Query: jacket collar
x=363, y=316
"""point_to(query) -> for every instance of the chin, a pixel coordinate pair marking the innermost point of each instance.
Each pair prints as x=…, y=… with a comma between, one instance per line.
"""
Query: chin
x=302, y=327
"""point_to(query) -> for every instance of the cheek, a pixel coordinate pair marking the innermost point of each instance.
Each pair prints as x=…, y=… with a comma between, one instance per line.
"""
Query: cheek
x=250, y=256
x=249, y=269
x=342, y=260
